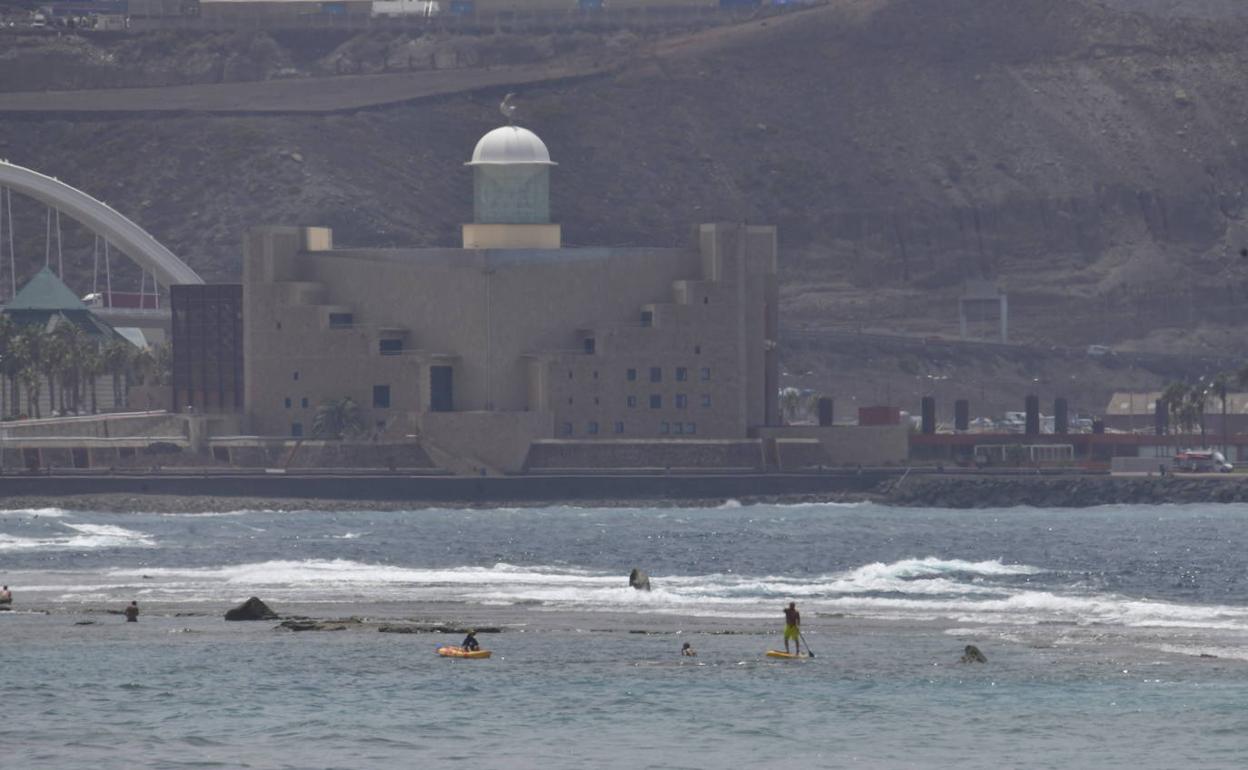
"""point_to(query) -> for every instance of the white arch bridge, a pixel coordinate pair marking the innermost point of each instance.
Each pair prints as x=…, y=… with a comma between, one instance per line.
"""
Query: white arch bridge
x=97, y=216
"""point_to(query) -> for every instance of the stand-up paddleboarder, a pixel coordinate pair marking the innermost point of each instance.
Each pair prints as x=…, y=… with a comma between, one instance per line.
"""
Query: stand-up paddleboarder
x=793, y=628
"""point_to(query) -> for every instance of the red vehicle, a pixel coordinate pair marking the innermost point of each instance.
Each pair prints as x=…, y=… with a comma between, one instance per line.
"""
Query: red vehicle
x=1201, y=461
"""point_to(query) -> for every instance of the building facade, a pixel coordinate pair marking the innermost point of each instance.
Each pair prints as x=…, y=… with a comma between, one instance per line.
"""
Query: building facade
x=512, y=338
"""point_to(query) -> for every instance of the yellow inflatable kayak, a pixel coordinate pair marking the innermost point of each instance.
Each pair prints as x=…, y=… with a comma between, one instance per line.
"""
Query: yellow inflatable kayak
x=455, y=651
x=782, y=655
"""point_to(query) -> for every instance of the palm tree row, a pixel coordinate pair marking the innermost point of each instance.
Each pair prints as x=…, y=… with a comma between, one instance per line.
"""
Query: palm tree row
x=68, y=362
x=1185, y=403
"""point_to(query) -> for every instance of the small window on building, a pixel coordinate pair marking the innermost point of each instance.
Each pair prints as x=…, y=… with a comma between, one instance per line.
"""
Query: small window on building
x=647, y=318
x=589, y=345
x=664, y=428
x=705, y=374
x=619, y=426
x=678, y=428
x=303, y=402
x=287, y=403
x=296, y=429
x=566, y=429
x=381, y=396
x=656, y=374
x=656, y=401
x=691, y=428
x=632, y=402
x=631, y=375
x=592, y=428
x=341, y=320
x=682, y=401
x=390, y=347
x=706, y=399
x=682, y=374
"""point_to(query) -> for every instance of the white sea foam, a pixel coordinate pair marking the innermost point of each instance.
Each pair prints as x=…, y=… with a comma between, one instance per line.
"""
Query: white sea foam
x=47, y=513
x=983, y=593
x=79, y=537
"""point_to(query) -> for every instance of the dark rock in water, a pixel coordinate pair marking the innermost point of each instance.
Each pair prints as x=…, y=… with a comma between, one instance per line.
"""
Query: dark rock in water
x=437, y=629
x=972, y=655
x=252, y=609
x=639, y=580
x=400, y=629
x=310, y=624
x=319, y=625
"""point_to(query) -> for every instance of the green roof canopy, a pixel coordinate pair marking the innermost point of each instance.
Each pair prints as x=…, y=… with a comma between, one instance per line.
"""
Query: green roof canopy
x=45, y=292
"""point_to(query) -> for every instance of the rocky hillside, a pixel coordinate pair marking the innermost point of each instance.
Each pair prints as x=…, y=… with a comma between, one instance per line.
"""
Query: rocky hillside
x=1090, y=156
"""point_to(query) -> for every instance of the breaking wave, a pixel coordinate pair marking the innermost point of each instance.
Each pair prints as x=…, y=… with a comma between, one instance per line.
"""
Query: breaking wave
x=969, y=592
x=79, y=537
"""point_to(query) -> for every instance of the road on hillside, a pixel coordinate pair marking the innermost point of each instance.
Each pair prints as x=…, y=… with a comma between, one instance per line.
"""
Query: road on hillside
x=295, y=95
x=342, y=93
x=832, y=337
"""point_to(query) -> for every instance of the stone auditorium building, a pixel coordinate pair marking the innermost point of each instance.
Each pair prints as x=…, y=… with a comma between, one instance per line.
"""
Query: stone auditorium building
x=512, y=339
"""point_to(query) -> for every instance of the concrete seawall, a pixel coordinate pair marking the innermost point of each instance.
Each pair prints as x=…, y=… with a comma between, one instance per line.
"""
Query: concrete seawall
x=453, y=489
x=889, y=486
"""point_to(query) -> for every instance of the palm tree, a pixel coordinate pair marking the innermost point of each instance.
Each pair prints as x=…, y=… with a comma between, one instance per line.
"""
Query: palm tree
x=29, y=349
x=790, y=403
x=91, y=363
x=118, y=356
x=55, y=365
x=338, y=418
x=73, y=343
x=8, y=332
x=1221, y=383
x=1197, y=397
x=1173, y=398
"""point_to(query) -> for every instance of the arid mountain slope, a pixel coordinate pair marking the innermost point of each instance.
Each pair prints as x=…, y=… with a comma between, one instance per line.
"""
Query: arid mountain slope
x=1091, y=159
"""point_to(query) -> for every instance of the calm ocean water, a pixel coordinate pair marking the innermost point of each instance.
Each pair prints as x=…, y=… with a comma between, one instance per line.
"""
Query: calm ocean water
x=1116, y=637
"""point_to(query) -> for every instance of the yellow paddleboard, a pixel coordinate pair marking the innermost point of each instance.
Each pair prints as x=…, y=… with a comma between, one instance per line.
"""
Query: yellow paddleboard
x=454, y=651
x=782, y=655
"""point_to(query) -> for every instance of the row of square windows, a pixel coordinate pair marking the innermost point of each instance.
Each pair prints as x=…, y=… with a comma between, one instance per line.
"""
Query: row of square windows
x=680, y=401
x=656, y=374
x=665, y=428
x=381, y=398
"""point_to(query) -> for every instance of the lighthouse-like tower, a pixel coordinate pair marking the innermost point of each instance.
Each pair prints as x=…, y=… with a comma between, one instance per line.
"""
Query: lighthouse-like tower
x=511, y=193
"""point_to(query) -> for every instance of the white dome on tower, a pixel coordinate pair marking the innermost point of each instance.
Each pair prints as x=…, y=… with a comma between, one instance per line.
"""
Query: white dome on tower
x=510, y=145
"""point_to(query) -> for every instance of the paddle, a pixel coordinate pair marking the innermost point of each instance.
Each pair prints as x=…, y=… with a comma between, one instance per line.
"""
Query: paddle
x=802, y=636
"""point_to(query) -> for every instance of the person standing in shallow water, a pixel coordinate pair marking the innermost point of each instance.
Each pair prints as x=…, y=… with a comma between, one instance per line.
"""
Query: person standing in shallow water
x=792, y=628
x=132, y=612
x=6, y=598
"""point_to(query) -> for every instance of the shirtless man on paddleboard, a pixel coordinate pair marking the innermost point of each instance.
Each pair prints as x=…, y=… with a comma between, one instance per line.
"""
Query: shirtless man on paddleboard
x=792, y=627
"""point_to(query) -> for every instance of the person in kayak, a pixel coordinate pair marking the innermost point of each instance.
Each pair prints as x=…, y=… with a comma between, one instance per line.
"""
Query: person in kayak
x=470, y=642
x=793, y=627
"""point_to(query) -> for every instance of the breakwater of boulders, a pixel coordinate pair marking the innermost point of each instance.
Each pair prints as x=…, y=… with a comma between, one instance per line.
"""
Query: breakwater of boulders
x=1062, y=491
